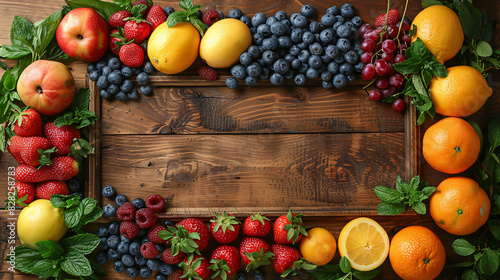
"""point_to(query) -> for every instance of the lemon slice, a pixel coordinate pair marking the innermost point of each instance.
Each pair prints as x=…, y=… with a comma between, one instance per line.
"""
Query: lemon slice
x=365, y=243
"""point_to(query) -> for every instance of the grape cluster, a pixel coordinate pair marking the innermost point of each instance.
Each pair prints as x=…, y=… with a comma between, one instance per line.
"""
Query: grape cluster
x=114, y=79
x=383, y=47
x=297, y=48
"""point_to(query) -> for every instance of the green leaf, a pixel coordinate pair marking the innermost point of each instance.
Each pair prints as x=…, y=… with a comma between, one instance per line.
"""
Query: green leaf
x=88, y=205
x=418, y=49
x=75, y=263
x=345, y=265
x=105, y=9
x=13, y=52
x=419, y=207
x=97, y=269
x=410, y=66
x=367, y=275
x=494, y=133
x=438, y=69
x=91, y=217
x=50, y=249
x=21, y=29
x=470, y=17
x=45, y=31
x=186, y=4
x=483, y=49
x=463, y=247
x=81, y=100
x=388, y=195
x=26, y=258
x=428, y=3
x=470, y=274
x=46, y=268
x=462, y=264
x=72, y=216
x=426, y=76
x=385, y=208
x=489, y=262
x=326, y=272
x=83, y=243
x=487, y=30
x=176, y=17
x=198, y=24
x=495, y=230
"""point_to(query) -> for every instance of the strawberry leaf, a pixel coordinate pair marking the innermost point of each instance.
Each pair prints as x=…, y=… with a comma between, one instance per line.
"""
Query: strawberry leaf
x=80, y=149
x=259, y=217
x=45, y=157
x=258, y=258
x=138, y=9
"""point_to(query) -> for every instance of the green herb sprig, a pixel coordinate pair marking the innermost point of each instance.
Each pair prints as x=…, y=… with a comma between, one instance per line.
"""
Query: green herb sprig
x=77, y=212
x=188, y=15
x=78, y=114
x=343, y=271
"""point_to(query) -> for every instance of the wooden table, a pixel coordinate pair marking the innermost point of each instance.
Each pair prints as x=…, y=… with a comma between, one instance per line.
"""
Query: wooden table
x=363, y=117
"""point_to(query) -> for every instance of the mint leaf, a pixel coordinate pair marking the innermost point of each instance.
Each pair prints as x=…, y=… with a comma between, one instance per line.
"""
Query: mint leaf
x=81, y=100
x=409, y=66
x=388, y=195
x=438, y=69
x=186, y=4
x=26, y=258
x=385, y=208
x=45, y=31
x=199, y=25
x=72, y=216
x=176, y=17
x=46, y=268
x=367, y=275
x=463, y=247
x=489, y=262
x=483, y=49
x=84, y=243
x=345, y=265
x=419, y=207
x=326, y=272
x=75, y=263
x=50, y=249
x=88, y=205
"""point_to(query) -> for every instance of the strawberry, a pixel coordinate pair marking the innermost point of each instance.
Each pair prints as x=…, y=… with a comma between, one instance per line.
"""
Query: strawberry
x=225, y=261
x=178, y=274
x=32, y=150
x=148, y=4
x=156, y=16
x=61, y=169
x=284, y=257
x=208, y=73
x=195, y=268
x=116, y=19
x=23, y=193
x=167, y=257
x=289, y=228
x=136, y=29
x=46, y=189
x=255, y=252
x=132, y=55
x=196, y=225
x=209, y=17
x=392, y=18
x=224, y=228
x=256, y=225
x=114, y=41
x=27, y=123
x=61, y=137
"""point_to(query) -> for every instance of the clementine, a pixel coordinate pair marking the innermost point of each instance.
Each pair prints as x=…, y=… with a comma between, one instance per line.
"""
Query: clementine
x=319, y=246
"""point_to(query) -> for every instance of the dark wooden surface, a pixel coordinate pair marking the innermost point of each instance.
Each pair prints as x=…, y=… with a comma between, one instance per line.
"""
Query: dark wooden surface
x=276, y=142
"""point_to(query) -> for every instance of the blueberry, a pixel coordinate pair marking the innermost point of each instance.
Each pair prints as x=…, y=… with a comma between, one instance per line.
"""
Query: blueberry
x=128, y=260
x=351, y=78
x=339, y=59
x=113, y=89
x=145, y=272
x=126, y=86
x=259, y=274
x=258, y=19
x=344, y=31
x=254, y=70
x=235, y=13
x=308, y=37
x=270, y=20
x=127, y=72
x=109, y=210
x=238, y=71
x=199, y=14
x=102, y=82
x=134, y=94
x=326, y=76
x=122, y=247
x=314, y=61
x=138, y=203
x=121, y=96
x=146, y=90
x=281, y=66
x=346, y=68
x=333, y=68
x=169, y=224
x=250, y=80
x=264, y=75
x=245, y=58
x=347, y=10
x=307, y=10
x=147, y=67
x=100, y=64
x=102, y=232
x=115, y=78
x=327, y=85
x=303, y=68
x=350, y=24
x=289, y=75
x=339, y=18
x=294, y=50
x=288, y=57
x=343, y=44
x=280, y=15
x=351, y=57
x=333, y=10
x=354, y=34
x=113, y=241
x=336, y=25
x=328, y=20
x=278, y=28
x=140, y=260
x=276, y=79
x=134, y=248
x=101, y=258
x=326, y=36
x=264, y=30
x=315, y=27
x=231, y=83
x=287, y=23
x=221, y=14
x=106, y=70
x=165, y=268
x=132, y=272
x=299, y=20
x=285, y=42
x=253, y=50
x=94, y=75
x=143, y=79
x=282, y=52
x=332, y=51
x=168, y=10
x=304, y=56
x=104, y=94
x=114, y=63
x=296, y=35
x=114, y=228
x=312, y=73
x=103, y=244
x=257, y=38
x=113, y=255
x=316, y=48
x=325, y=59
x=160, y=277
x=358, y=67
x=270, y=43
x=246, y=20
x=241, y=275
x=339, y=80
x=153, y=264
x=118, y=266
x=136, y=71
x=295, y=63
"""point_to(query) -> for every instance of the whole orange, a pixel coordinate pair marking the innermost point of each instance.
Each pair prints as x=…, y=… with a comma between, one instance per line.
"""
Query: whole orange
x=459, y=206
x=451, y=145
x=417, y=253
x=319, y=246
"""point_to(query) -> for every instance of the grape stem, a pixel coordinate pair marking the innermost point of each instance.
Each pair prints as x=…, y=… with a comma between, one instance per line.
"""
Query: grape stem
x=402, y=19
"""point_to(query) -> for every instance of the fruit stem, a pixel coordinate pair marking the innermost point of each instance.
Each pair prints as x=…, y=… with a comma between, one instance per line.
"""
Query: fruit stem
x=387, y=12
x=402, y=19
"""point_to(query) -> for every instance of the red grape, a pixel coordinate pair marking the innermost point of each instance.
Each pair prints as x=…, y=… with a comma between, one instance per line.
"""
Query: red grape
x=375, y=94
x=381, y=67
x=388, y=92
x=392, y=30
x=372, y=35
x=364, y=28
x=406, y=38
x=405, y=25
x=368, y=45
x=368, y=72
x=382, y=83
x=396, y=80
x=399, y=58
x=390, y=69
x=389, y=46
x=366, y=57
x=398, y=105
x=389, y=57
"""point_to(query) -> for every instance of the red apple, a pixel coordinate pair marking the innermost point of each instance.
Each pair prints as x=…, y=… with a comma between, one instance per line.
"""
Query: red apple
x=83, y=35
x=46, y=86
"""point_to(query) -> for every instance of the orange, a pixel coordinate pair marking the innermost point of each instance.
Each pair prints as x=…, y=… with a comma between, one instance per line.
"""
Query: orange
x=451, y=145
x=318, y=246
x=459, y=206
x=365, y=243
x=462, y=93
x=173, y=49
x=417, y=253
x=441, y=31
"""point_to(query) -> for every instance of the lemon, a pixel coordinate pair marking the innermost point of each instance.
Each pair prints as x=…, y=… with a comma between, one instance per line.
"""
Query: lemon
x=462, y=93
x=40, y=221
x=172, y=50
x=441, y=31
x=365, y=243
x=224, y=42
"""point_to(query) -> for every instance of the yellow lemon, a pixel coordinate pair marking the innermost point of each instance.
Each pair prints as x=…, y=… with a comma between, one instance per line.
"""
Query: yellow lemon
x=365, y=243
x=224, y=42
x=173, y=49
x=441, y=31
x=462, y=93
x=319, y=246
x=40, y=221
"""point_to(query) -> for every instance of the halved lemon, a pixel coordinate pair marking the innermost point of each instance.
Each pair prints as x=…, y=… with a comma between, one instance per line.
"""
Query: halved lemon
x=365, y=243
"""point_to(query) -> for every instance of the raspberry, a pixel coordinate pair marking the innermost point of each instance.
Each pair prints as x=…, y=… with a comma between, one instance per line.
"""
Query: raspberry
x=153, y=234
x=126, y=212
x=145, y=218
x=129, y=229
x=210, y=16
x=155, y=202
x=167, y=257
x=208, y=73
x=149, y=250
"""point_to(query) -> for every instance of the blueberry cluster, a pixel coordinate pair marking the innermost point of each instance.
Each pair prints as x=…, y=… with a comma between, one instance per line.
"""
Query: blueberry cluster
x=258, y=274
x=115, y=79
x=297, y=48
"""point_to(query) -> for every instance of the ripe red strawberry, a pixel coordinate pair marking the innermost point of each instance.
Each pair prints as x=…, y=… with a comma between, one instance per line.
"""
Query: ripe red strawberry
x=46, y=189
x=208, y=73
x=61, y=137
x=116, y=19
x=148, y=4
x=28, y=123
x=255, y=252
x=61, y=169
x=155, y=202
x=23, y=193
x=145, y=218
x=196, y=225
x=256, y=225
x=289, y=225
x=210, y=16
x=129, y=229
x=224, y=228
x=167, y=257
x=284, y=257
x=132, y=55
x=223, y=256
x=114, y=41
x=195, y=268
x=393, y=18
x=26, y=150
x=126, y=212
x=149, y=250
x=156, y=16
x=153, y=234
x=137, y=30
x=177, y=274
